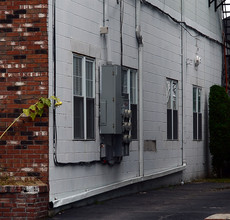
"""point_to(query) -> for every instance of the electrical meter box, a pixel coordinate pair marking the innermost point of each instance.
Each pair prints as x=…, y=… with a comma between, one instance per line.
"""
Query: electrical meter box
x=115, y=116
x=111, y=100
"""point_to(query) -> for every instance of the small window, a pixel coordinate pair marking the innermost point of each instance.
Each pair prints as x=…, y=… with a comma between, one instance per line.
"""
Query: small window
x=129, y=86
x=83, y=97
x=197, y=114
x=172, y=109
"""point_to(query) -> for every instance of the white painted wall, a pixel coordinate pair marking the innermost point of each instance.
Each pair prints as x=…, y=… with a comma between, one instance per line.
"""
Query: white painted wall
x=78, y=30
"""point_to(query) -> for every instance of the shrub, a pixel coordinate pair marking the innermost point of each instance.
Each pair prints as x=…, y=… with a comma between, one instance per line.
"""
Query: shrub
x=219, y=125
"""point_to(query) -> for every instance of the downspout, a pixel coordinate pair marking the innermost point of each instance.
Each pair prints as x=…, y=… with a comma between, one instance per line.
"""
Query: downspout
x=121, y=31
x=106, y=25
x=140, y=65
x=54, y=83
x=182, y=85
x=103, y=13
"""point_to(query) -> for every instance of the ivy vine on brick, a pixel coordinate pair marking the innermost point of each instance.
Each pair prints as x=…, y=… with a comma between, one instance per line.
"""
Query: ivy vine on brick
x=35, y=110
x=38, y=107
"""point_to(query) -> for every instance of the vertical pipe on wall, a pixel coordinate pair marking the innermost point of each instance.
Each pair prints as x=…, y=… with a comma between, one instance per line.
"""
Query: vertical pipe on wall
x=141, y=141
x=140, y=70
x=54, y=84
x=106, y=24
x=103, y=13
x=54, y=48
x=182, y=86
x=121, y=30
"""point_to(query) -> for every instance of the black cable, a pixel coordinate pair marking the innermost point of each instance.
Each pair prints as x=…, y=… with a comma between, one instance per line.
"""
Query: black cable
x=56, y=162
x=121, y=29
x=54, y=83
x=181, y=23
x=81, y=163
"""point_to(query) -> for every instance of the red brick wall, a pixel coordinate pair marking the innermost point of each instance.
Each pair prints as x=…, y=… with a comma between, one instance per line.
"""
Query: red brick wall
x=23, y=80
x=23, y=203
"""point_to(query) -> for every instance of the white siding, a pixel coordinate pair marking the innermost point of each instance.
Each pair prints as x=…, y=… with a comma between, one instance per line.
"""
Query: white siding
x=78, y=31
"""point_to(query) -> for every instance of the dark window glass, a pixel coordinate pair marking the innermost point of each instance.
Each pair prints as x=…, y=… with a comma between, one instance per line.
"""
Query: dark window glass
x=77, y=76
x=169, y=124
x=134, y=121
x=199, y=126
x=90, y=118
x=194, y=125
x=197, y=115
x=78, y=118
x=172, y=109
x=175, y=124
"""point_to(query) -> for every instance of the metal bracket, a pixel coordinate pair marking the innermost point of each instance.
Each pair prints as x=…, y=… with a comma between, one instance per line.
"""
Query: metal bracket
x=217, y=4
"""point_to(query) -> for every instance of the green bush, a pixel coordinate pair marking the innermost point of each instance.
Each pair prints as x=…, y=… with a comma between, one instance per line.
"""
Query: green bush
x=219, y=125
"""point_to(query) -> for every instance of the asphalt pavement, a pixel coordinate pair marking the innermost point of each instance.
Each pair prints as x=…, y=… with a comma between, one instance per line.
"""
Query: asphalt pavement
x=191, y=201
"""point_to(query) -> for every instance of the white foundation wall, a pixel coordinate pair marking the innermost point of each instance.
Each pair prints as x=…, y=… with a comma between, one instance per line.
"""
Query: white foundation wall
x=78, y=25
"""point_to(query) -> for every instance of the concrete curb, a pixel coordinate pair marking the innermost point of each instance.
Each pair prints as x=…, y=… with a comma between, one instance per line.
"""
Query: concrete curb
x=218, y=217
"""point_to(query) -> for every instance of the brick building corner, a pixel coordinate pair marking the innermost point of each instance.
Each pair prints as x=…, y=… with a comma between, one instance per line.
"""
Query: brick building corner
x=23, y=80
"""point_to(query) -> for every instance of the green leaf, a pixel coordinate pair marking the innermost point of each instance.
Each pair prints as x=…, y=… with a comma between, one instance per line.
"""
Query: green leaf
x=33, y=115
x=45, y=101
x=32, y=107
x=40, y=105
x=48, y=102
x=53, y=97
x=40, y=112
x=26, y=111
x=42, y=100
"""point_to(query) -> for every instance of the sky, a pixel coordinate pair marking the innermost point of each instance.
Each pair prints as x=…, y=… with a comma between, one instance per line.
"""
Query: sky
x=228, y=8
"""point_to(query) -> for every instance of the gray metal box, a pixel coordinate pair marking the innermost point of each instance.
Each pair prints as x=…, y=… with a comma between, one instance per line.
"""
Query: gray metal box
x=111, y=100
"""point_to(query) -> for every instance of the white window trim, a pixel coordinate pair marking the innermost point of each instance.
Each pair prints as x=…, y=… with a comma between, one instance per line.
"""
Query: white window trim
x=83, y=62
x=197, y=110
x=197, y=100
x=171, y=102
x=128, y=71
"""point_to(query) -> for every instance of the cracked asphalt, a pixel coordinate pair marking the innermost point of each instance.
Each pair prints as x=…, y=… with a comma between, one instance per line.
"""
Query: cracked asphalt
x=191, y=201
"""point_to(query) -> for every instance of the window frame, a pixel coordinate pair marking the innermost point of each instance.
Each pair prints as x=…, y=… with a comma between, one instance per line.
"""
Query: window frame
x=197, y=113
x=133, y=102
x=84, y=95
x=172, y=110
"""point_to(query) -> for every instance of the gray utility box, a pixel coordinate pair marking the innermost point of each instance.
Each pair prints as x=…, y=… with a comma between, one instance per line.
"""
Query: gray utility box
x=111, y=100
x=114, y=107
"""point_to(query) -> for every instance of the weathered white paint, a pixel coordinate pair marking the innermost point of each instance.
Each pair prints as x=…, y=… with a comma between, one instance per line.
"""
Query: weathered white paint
x=26, y=6
x=78, y=30
x=19, y=84
x=27, y=169
x=40, y=133
x=27, y=25
x=13, y=142
x=3, y=96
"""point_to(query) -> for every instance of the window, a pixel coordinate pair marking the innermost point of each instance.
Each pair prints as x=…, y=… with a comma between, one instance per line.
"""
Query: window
x=129, y=86
x=197, y=115
x=83, y=97
x=172, y=109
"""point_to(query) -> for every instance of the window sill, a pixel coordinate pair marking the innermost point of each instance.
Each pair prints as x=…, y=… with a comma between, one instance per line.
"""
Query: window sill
x=172, y=140
x=84, y=140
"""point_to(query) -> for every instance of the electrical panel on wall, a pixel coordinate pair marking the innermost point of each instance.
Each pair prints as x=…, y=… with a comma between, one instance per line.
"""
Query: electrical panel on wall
x=115, y=116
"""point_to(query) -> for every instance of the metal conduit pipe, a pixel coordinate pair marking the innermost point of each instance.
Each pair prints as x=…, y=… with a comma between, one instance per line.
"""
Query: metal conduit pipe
x=140, y=71
x=182, y=84
x=107, y=36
